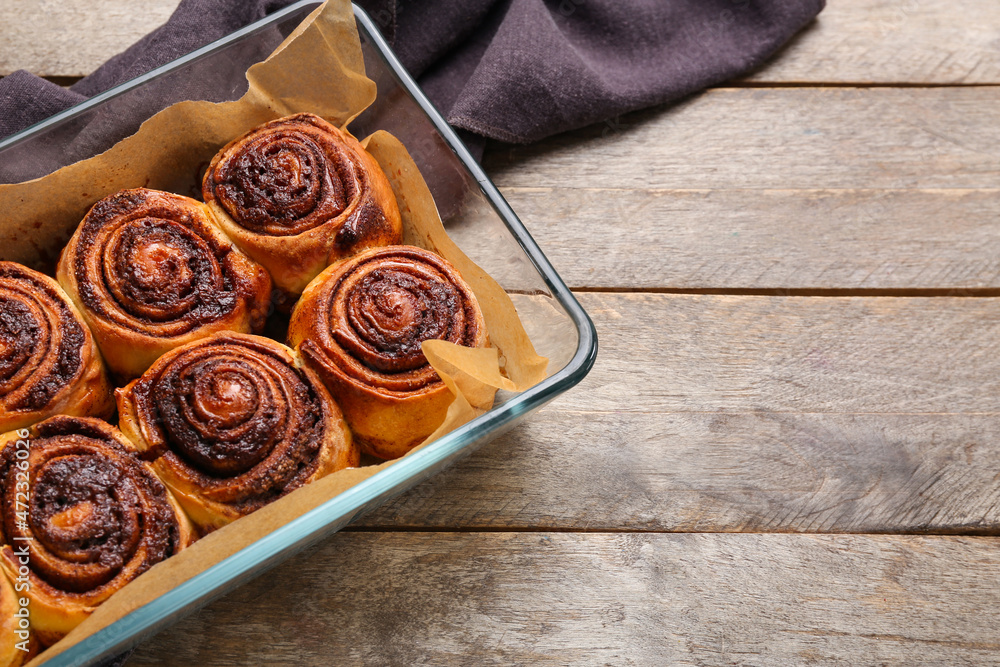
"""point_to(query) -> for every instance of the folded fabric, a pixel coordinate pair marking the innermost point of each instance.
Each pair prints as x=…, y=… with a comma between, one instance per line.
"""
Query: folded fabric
x=512, y=70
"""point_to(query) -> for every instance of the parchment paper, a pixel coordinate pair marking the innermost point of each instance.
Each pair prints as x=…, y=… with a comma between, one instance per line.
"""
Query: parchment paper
x=319, y=69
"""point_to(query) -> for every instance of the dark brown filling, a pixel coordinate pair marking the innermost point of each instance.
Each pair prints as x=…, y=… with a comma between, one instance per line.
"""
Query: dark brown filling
x=77, y=513
x=390, y=313
x=160, y=271
x=224, y=409
x=92, y=505
x=285, y=181
x=21, y=334
x=154, y=266
x=67, y=365
x=382, y=308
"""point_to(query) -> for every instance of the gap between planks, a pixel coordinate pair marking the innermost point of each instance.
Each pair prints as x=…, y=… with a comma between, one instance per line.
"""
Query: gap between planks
x=605, y=530
x=737, y=413
x=874, y=292
x=616, y=599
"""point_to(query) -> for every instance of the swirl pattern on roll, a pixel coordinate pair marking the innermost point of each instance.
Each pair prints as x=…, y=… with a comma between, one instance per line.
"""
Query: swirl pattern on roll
x=49, y=363
x=97, y=517
x=360, y=325
x=150, y=271
x=231, y=424
x=297, y=193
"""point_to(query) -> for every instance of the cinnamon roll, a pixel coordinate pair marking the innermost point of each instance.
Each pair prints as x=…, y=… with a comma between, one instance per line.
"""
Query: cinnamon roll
x=81, y=517
x=231, y=423
x=360, y=325
x=149, y=271
x=49, y=363
x=297, y=194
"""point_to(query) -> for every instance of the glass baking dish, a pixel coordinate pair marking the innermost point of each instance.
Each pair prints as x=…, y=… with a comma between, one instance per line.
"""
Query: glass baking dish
x=475, y=214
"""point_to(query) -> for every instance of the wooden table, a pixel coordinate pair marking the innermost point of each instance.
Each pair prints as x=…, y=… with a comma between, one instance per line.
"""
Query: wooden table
x=795, y=277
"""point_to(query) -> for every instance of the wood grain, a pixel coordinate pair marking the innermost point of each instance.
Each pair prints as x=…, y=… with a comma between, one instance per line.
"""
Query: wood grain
x=777, y=139
x=748, y=239
x=768, y=472
x=894, y=41
x=70, y=38
x=795, y=355
x=853, y=41
x=704, y=413
x=709, y=413
x=770, y=189
x=680, y=599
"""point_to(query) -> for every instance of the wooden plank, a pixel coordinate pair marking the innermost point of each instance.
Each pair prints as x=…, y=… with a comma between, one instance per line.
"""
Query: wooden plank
x=709, y=413
x=679, y=353
x=726, y=471
x=777, y=138
x=678, y=599
x=72, y=37
x=894, y=41
x=767, y=239
x=723, y=192
x=853, y=41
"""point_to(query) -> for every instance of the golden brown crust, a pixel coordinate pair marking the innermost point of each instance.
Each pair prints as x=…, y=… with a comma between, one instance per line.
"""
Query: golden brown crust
x=296, y=194
x=49, y=363
x=150, y=271
x=84, y=514
x=233, y=422
x=360, y=325
x=18, y=643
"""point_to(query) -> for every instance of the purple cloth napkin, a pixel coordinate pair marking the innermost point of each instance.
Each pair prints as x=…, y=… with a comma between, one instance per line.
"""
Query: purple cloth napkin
x=512, y=70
